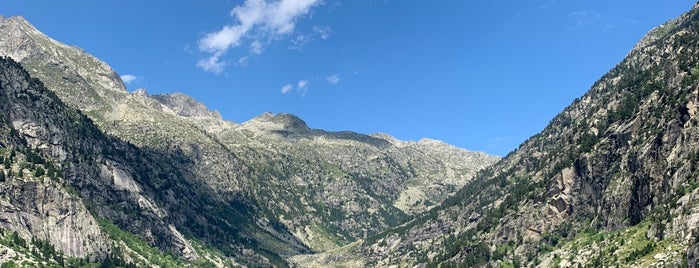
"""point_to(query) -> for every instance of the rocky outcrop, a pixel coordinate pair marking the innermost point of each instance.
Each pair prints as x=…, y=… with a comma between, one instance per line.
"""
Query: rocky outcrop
x=185, y=105
x=38, y=205
x=38, y=208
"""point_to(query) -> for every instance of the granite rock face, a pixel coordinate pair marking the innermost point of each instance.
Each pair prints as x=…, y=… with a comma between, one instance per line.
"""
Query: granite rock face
x=53, y=156
x=41, y=209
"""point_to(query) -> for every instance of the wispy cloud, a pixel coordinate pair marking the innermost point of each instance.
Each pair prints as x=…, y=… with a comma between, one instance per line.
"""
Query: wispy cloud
x=302, y=84
x=130, y=78
x=243, y=61
x=257, y=22
x=286, y=88
x=300, y=40
x=212, y=64
x=333, y=79
x=301, y=87
x=256, y=47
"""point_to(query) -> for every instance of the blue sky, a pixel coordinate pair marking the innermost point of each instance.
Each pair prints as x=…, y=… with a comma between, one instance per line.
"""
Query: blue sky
x=482, y=75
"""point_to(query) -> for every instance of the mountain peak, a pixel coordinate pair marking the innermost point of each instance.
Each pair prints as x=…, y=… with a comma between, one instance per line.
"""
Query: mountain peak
x=18, y=20
x=283, y=121
x=185, y=105
x=28, y=40
x=80, y=79
x=17, y=29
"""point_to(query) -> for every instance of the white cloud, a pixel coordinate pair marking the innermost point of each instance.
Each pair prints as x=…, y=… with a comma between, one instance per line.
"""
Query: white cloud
x=333, y=79
x=220, y=41
x=256, y=47
x=302, y=84
x=212, y=64
x=301, y=87
x=129, y=78
x=286, y=88
x=255, y=20
x=299, y=41
x=243, y=61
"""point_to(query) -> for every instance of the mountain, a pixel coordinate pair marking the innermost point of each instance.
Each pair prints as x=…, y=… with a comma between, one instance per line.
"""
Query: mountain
x=65, y=182
x=162, y=174
x=610, y=182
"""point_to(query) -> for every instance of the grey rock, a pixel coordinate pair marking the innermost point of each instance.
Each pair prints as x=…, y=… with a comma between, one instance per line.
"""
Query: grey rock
x=185, y=105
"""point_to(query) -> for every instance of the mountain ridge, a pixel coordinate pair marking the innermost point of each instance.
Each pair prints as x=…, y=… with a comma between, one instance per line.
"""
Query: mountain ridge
x=329, y=180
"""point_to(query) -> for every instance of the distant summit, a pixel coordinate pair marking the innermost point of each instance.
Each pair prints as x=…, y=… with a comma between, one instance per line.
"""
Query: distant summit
x=283, y=120
x=185, y=105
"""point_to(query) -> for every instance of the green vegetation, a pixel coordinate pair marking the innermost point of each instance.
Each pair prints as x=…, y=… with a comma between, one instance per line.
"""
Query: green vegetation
x=627, y=247
x=148, y=255
x=151, y=254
